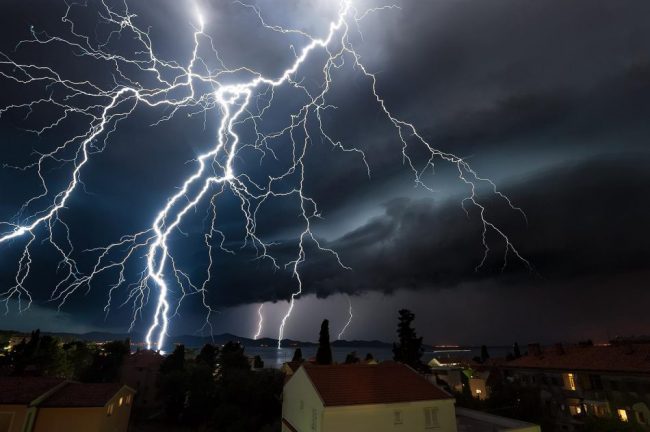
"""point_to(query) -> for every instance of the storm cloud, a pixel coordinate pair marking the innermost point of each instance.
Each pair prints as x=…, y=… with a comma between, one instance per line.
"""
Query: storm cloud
x=549, y=99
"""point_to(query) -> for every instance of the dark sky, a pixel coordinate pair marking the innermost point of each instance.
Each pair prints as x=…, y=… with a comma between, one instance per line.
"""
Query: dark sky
x=550, y=99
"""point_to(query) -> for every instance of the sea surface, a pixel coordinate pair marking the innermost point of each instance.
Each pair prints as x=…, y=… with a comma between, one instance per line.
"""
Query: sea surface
x=274, y=357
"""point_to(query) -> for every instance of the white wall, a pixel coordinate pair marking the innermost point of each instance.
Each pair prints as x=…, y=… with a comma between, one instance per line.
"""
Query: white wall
x=381, y=418
x=301, y=402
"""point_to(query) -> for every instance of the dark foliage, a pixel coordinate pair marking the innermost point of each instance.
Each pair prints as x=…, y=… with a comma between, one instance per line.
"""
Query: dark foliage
x=297, y=355
x=208, y=356
x=352, y=358
x=409, y=348
x=324, y=353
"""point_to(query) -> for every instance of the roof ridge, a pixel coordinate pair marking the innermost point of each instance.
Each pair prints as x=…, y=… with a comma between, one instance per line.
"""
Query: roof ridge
x=48, y=394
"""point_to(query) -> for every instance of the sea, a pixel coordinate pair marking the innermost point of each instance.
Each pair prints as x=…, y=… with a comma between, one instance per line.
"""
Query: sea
x=274, y=357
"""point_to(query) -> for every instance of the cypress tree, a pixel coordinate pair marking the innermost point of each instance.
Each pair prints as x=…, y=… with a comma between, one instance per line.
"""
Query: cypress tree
x=409, y=348
x=324, y=353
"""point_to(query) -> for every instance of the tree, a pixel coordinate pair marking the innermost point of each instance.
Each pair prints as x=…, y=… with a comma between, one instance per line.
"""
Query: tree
x=208, y=356
x=369, y=357
x=484, y=354
x=517, y=350
x=173, y=383
x=352, y=358
x=107, y=362
x=232, y=357
x=79, y=356
x=42, y=355
x=258, y=363
x=324, y=353
x=297, y=356
x=409, y=348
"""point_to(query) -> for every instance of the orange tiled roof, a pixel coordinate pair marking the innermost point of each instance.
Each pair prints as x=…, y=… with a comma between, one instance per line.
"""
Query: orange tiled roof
x=75, y=395
x=23, y=390
x=363, y=384
x=612, y=358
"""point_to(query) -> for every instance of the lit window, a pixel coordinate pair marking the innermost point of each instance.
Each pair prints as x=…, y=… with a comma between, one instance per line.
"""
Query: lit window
x=479, y=391
x=109, y=409
x=128, y=399
x=431, y=418
x=120, y=402
x=571, y=381
x=622, y=415
x=397, y=417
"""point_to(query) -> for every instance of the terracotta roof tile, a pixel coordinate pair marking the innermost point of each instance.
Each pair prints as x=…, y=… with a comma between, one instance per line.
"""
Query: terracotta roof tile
x=612, y=358
x=23, y=390
x=362, y=384
x=83, y=395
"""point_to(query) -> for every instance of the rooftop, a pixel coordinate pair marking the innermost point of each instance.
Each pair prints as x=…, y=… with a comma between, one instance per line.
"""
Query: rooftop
x=78, y=395
x=364, y=384
x=55, y=392
x=24, y=390
x=611, y=358
x=475, y=421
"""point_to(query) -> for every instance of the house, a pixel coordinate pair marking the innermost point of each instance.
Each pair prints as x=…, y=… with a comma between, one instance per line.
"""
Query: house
x=458, y=374
x=577, y=382
x=361, y=397
x=37, y=404
x=140, y=372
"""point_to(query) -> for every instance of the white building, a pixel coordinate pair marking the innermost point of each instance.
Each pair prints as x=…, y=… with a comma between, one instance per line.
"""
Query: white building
x=376, y=398
x=362, y=398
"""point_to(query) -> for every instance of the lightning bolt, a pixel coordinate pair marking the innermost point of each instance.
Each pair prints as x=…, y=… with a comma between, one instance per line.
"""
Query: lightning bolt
x=347, y=324
x=180, y=88
x=259, y=322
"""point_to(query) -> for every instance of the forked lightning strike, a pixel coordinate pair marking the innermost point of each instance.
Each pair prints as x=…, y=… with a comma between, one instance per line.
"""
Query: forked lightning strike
x=236, y=106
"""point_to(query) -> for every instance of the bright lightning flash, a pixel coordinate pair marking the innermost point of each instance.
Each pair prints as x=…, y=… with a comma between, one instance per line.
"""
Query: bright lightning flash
x=260, y=322
x=179, y=88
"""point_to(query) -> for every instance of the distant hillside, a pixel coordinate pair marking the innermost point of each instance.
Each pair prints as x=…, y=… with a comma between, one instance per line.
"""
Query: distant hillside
x=193, y=341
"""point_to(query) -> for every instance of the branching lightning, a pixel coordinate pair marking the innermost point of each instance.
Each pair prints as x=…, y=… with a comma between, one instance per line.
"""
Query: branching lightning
x=180, y=88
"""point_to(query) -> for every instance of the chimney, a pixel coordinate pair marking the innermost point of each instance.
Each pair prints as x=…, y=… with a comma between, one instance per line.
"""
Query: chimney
x=559, y=349
x=534, y=349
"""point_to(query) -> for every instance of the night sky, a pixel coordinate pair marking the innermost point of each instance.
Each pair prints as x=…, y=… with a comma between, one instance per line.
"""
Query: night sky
x=549, y=99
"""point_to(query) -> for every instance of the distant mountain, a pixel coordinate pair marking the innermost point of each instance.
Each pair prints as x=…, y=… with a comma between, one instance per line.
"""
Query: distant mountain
x=193, y=341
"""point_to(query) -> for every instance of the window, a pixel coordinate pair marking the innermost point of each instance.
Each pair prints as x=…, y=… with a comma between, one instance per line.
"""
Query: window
x=570, y=381
x=128, y=399
x=397, y=417
x=622, y=415
x=431, y=418
x=575, y=410
x=6, y=419
x=120, y=401
x=478, y=392
x=109, y=409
